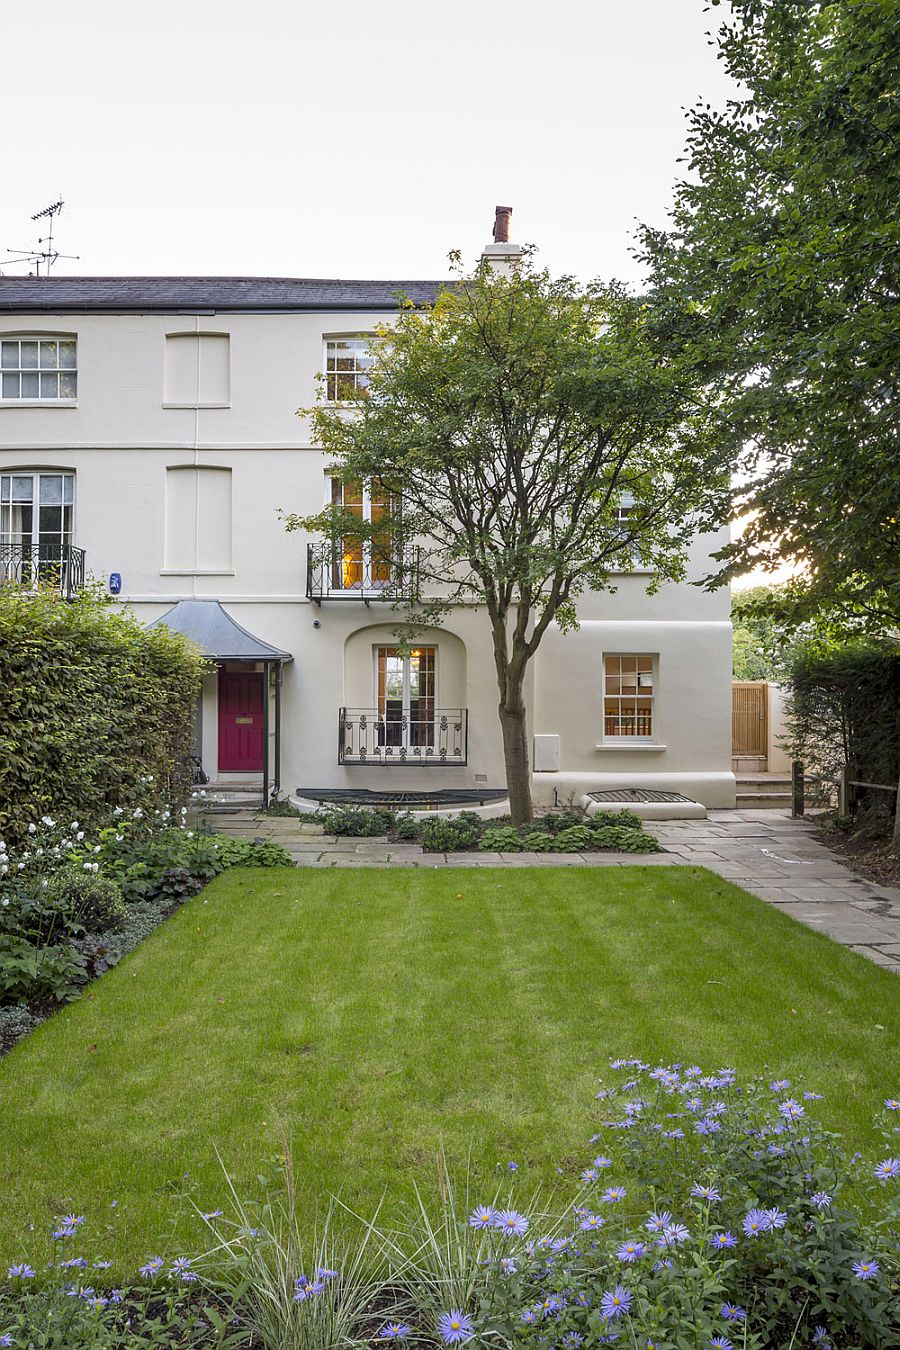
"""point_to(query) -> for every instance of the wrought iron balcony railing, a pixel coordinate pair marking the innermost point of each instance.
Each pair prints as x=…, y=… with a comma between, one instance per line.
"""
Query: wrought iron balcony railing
x=359, y=571
x=430, y=737
x=60, y=566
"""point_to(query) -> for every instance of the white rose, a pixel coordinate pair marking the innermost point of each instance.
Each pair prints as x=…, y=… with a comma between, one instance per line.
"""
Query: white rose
x=48, y=821
x=74, y=825
x=32, y=829
x=118, y=811
x=80, y=835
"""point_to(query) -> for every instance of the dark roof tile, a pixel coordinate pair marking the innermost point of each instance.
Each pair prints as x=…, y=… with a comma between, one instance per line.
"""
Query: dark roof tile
x=59, y=294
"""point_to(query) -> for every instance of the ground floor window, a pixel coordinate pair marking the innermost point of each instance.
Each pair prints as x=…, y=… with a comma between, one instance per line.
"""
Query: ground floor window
x=628, y=697
x=405, y=695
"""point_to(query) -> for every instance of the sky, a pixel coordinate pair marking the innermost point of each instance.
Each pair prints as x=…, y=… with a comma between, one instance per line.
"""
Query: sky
x=346, y=139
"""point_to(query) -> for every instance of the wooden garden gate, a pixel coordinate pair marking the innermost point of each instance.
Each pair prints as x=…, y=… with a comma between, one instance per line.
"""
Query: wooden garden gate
x=749, y=717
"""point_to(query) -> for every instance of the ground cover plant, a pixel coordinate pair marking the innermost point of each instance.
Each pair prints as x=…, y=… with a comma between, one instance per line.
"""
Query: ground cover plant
x=568, y=831
x=362, y=1019
x=74, y=901
x=699, y=1209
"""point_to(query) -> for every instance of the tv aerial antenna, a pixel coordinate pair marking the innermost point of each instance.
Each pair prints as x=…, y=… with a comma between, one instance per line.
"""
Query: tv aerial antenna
x=45, y=254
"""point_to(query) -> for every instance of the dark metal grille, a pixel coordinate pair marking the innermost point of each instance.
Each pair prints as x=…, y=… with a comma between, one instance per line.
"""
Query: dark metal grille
x=360, y=572
x=59, y=566
x=438, y=738
x=443, y=797
x=624, y=795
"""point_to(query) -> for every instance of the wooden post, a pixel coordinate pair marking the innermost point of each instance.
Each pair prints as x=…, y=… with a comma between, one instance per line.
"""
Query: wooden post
x=797, y=788
x=847, y=792
x=897, y=823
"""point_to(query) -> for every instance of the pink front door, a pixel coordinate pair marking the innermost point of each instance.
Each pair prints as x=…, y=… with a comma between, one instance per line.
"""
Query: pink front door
x=240, y=721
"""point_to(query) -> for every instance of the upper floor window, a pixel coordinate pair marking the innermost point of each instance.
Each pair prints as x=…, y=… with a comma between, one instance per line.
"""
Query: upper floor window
x=197, y=370
x=347, y=366
x=38, y=368
x=628, y=696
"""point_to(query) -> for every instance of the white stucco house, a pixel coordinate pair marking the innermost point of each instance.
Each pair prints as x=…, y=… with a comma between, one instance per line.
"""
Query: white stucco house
x=149, y=438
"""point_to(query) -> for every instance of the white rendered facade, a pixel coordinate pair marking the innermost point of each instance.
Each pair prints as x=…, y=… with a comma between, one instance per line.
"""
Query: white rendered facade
x=180, y=446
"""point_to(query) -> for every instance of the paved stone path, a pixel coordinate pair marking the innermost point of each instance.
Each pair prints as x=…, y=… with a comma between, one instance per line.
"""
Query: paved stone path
x=764, y=851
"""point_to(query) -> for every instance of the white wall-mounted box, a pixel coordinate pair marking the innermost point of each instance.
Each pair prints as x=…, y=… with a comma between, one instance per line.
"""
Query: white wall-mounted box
x=546, y=754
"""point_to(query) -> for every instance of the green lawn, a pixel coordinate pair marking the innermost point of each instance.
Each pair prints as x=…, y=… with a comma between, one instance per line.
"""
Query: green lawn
x=367, y=1016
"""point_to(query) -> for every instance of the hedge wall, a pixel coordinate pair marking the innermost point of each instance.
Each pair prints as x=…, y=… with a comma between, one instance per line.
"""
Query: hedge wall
x=844, y=708
x=95, y=711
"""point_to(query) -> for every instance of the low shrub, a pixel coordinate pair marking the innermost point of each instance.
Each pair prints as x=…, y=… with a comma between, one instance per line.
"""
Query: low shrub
x=625, y=840
x=39, y=974
x=250, y=852
x=443, y=834
x=575, y=839
x=406, y=827
x=602, y=820
x=95, y=902
x=15, y=1022
x=362, y=822
x=506, y=839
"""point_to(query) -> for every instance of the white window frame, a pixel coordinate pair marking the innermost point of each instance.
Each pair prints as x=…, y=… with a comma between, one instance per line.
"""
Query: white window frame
x=42, y=371
x=330, y=340
x=367, y=562
x=407, y=741
x=636, y=738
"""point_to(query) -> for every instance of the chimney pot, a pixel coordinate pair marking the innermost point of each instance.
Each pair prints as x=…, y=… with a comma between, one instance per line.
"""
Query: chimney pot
x=501, y=224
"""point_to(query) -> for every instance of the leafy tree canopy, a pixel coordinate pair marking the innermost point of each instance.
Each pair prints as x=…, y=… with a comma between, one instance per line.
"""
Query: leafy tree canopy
x=541, y=440
x=781, y=263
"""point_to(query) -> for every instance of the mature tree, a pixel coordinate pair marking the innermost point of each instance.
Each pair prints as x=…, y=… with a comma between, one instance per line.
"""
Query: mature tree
x=539, y=443
x=783, y=259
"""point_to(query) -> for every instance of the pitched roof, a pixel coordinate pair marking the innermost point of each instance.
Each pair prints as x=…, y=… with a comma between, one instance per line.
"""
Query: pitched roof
x=58, y=294
x=216, y=633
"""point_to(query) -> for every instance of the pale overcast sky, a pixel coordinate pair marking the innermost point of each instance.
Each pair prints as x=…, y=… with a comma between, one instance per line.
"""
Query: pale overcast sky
x=345, y=139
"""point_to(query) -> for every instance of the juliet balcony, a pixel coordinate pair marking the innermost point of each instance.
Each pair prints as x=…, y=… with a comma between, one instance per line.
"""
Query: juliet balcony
x=360, y=571
x=425, y=736
x=58, y=566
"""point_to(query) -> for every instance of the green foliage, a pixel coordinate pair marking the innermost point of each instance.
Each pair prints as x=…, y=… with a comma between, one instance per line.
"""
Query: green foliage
x=514, y=418
x=506, y=839
x=50, y=1317
x=575, y=839
x=444, y=834
x=95, y=902
x=780, y=273
x=406, y=827
x=250, y=852
x=95, y=710
x=537, y=841
x=39, y=974
x=624, y=839
x=844, y=708
x=601, y=820
x=359, y=821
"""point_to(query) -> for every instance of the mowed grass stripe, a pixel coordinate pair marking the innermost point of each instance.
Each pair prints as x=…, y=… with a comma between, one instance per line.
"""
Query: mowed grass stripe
x=366, y=1018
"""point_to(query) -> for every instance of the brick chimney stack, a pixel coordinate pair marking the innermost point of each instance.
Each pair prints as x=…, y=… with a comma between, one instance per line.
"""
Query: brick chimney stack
x=500, y=254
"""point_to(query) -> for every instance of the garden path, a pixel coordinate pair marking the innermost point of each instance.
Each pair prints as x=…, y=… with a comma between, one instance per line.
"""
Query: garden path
x=763, y=851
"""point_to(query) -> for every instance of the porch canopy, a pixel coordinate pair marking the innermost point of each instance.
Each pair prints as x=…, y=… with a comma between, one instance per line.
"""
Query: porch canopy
x=222, y=638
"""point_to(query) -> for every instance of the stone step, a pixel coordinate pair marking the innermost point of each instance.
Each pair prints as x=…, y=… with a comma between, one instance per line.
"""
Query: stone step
x=762, y=799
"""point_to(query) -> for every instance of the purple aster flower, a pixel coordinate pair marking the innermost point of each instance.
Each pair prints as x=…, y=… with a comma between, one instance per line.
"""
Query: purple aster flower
x=866, y=1270
x=821, y=1199
x=602, y=1162
x=304, y=1289
x=454, y=1326
x=631, y=1251
x=482, y=1217
x=707, y=1125
x=512, y=1167
x=615, y=1302
x=613, y=1194
x=618, y=1063
x=213, y=1214
x=153, y=1267
x=71, y=1220
x=780, y=1085
x=658, y=1223
x=821, y=1339
x=893, y=1104
x=791, y=1110
x=529, y=1316
x=508, y=1265
x=722, y=1240
x=677, y=1133
x=733, y=1312
x=322, y=1273
x=756, y=1221
x=6, y=1339
x=887, y=1169
x=64, y=1233
x=721, y=1343
x=589, y=1174
x=705, y=1193
x=511, y=1222
x=812, y=1097
x=101, y=1265
x=78, y=1262
x=549, y=1306
x=180, y=1269
x=776, y=1217
x=394, y=1331
x=675, y=1233
x=591, y=1223
x=20, y=1272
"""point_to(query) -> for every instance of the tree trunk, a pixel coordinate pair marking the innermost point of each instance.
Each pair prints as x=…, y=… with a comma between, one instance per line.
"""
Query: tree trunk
x=518, y=769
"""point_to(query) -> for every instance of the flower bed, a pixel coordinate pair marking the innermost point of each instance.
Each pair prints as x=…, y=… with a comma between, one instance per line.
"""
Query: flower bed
x=569, y=831
x=73, y=902
x=705, y=1213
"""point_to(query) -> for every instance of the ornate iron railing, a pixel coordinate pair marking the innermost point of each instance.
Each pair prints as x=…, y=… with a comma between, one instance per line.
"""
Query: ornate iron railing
x=361, y=572
x=60, y=566
x=432, y=737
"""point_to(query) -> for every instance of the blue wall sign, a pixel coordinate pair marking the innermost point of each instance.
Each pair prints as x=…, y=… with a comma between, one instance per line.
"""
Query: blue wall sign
x=115, y=583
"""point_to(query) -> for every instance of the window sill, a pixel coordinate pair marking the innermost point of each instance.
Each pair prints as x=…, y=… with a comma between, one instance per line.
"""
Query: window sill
x=194, y=407
x=196, y=572
x=613, y=747
x=38, y=402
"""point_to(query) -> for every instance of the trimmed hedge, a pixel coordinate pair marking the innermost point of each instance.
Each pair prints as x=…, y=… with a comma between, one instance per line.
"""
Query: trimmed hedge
x=95, y=710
